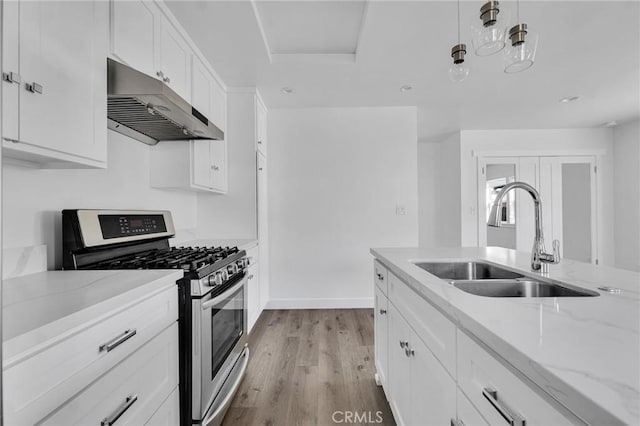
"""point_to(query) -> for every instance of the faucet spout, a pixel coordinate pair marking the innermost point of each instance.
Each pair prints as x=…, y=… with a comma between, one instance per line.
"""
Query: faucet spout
x=539, y=258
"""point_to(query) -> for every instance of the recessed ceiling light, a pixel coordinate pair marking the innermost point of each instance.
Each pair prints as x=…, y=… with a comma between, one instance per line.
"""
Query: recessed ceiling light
x=569, y=99
x=611, y=123
x=286, y=90
x=405, y=88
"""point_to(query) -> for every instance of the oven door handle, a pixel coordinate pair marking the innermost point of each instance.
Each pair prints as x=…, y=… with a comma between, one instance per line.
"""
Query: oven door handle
x=212, y=302
x=221, y=409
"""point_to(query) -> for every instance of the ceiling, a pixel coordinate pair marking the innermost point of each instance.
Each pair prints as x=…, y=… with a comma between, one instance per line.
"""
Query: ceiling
x=355, y=53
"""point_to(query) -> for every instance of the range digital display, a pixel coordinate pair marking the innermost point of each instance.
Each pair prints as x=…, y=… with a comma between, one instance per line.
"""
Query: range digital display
x=115, y=226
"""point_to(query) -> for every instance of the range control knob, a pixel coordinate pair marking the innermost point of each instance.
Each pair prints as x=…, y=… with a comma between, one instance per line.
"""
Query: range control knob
x=217, y=278
x=232, y=269
x=240, y=264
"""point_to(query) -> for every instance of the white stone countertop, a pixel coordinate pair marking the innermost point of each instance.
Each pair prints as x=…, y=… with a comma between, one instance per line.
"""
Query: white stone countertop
x=583, y=351
x=45, y=305
x=241, y=243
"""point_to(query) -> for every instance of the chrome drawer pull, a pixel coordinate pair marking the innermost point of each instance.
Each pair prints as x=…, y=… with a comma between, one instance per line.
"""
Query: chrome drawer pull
x=111, y=345
x=108, y=421
x=512, y=418
x=383, y=311
x=34, y=87
x=380, y=277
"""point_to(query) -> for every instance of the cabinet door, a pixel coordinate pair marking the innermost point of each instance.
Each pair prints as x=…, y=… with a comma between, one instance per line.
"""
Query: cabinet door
x=218, y=106
x=399, y=368
x=253, y=296
x=201, y=87
x=11, y=68
x=169, y=412
x=133, y=34
x=175, y=59
x=261, y=124
x=263, y=231
x=63, y=46
x=201, y=163
x=218, y=152
x=381, y=336
x=433, y=391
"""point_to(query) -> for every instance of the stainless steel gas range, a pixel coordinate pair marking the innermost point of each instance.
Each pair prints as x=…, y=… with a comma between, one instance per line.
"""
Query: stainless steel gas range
x=213, y=302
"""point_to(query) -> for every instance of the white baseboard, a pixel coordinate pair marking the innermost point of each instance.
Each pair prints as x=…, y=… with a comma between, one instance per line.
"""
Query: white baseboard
x=361, y=302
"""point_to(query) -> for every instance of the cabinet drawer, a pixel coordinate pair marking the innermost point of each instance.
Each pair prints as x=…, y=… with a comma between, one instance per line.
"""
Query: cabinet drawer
x=169, y=412
x=433, y=328
x=381, y=336
x=479, y=372
x=147, y=378
x=41, y=382
x=467, y=413
x=380, y=276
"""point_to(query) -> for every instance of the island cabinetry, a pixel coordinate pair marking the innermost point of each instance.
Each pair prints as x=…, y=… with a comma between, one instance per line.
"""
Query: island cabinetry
x=497, y=393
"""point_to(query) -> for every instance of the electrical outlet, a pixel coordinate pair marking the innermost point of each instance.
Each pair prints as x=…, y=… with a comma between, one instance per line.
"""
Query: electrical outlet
x=401, y=210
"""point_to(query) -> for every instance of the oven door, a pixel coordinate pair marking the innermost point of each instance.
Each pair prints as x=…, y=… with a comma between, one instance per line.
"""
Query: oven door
x=223, y=337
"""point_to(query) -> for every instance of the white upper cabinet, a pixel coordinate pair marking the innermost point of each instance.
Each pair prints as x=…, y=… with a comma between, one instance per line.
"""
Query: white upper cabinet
x=54, y=59
x=261, y=124
x=175, y=60
x=143, y=38
x=134, y=30
x=207, y=95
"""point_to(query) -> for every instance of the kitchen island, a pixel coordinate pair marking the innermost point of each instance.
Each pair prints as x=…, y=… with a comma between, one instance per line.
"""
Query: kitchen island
x=579, y=354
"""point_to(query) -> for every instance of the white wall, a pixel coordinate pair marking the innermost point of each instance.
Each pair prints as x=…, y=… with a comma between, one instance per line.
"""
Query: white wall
x=626, y=150
x=32, y=198
x=439, y=192
x=336, y=176
x=233, y=215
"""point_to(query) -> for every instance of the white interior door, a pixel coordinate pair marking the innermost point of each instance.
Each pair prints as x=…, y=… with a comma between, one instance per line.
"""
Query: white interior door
x=569, y=200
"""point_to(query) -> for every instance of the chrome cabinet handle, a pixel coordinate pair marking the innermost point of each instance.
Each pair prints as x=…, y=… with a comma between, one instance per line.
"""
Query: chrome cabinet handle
x=403, y=344
x=216, y=168
x=409, y=352
x=111, y=345
x=383, y=311
x=34, y=87
x=259, y=142
x=160, y=74
x=380, y=277
x=509, y=415
x=166, y=79
x=11, y=77
x=128, y=402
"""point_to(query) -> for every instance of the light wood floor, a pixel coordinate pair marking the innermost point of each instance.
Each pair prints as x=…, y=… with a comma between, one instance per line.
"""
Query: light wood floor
x=306, y=365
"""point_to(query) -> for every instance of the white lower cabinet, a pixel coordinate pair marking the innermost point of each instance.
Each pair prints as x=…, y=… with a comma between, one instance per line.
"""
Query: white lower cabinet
x=498, y=394
x=381, y=330
x=467, y=413
x=422, y=392
x=130, y=392
x=169, y=412
x=254, y=305
x=434, y=374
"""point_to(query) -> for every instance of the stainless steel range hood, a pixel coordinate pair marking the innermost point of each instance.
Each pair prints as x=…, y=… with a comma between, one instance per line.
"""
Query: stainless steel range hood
x=146, y=109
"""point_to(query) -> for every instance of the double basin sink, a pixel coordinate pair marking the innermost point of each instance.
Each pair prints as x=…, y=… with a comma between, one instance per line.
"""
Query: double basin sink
x=486, y=279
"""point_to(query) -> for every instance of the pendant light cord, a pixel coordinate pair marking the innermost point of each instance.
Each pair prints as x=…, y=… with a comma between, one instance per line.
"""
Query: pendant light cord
x=458, y=21
x=517, y=11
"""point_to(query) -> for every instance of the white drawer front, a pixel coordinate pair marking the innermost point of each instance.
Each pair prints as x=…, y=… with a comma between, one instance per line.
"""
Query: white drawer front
x=380, y=276
x=148, y=376
x=437, y=332
x=37, y=385
x=169, y=412
x=467, y=413
x=478, y=370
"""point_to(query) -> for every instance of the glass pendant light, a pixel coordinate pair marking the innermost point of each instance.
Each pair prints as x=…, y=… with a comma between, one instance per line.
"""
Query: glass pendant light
x=489, y=35
x=458, y=71
x=521, y=51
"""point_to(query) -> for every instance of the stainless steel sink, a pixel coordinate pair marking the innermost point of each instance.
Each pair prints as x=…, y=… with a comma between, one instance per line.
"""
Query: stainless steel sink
x=467, y=270
x=526, y=287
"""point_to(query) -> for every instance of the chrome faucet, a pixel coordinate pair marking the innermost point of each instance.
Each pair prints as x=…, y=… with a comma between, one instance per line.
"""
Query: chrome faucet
x=539, y=259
